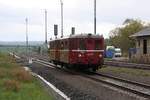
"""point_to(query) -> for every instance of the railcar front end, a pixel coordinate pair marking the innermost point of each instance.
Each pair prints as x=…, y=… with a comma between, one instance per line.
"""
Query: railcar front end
x=87, y=52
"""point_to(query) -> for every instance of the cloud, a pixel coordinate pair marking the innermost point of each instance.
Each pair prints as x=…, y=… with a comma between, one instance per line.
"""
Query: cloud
x=77, y=13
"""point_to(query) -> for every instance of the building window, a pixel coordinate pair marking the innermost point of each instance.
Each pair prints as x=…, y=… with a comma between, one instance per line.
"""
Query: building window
x=139, y=43
x=144, y=46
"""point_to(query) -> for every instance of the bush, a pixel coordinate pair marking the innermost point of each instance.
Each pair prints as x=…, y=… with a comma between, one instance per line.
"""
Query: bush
x=12, y=85
x=22, y=75
x=2, y=72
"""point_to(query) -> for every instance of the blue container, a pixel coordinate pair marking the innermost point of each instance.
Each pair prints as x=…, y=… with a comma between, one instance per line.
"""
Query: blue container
x=109, y=54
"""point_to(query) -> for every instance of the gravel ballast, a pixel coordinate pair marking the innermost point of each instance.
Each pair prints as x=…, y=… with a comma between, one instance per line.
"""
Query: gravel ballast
x=80, y=88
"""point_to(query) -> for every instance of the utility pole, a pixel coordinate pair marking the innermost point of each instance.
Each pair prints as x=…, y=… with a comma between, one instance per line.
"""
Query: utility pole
x=26, y=20
x=61, y=2
x=45, y=26
x=94, y=16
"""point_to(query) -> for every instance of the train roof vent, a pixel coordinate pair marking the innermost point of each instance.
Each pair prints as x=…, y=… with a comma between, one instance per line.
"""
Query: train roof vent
x=89, y=34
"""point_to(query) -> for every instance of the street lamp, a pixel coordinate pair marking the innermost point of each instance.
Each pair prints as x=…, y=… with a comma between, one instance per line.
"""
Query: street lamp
x=61, y=2
x=94, y=16
x=45, y=26
x=26, y=20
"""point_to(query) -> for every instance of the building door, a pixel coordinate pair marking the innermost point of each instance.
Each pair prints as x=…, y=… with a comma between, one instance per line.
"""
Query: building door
x=144, y=46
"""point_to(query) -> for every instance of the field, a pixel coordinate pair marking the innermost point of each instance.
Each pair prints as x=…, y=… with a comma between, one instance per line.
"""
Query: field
x=18, y=84
x=19, y=49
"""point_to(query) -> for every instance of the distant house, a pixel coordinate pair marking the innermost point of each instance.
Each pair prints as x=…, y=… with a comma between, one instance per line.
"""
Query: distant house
x=142, y=46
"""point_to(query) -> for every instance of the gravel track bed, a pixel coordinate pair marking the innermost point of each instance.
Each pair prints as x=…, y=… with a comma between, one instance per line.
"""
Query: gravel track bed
x=79, y=88
x=141, y=79
x=73, y=93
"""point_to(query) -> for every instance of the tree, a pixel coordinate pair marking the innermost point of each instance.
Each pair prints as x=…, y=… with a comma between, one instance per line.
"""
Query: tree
x=119, y=37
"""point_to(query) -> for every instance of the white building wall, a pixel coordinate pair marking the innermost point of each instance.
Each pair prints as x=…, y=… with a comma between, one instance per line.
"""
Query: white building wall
x=140, y=48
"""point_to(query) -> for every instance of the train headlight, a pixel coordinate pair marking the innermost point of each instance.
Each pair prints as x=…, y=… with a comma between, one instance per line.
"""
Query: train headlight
x=100, y=55
x=79, y=55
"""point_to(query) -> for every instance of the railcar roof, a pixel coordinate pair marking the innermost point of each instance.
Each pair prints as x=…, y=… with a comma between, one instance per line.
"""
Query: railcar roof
x=81, y=36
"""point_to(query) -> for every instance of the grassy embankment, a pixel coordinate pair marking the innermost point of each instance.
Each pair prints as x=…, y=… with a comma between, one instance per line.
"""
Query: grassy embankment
x=18, y=84
x=129, y=71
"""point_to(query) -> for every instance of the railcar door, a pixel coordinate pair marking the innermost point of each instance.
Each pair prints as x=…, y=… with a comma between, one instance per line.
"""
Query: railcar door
x=57, y=52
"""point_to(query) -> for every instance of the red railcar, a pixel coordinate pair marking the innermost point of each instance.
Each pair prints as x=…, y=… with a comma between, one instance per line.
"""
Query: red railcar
x=83, y=51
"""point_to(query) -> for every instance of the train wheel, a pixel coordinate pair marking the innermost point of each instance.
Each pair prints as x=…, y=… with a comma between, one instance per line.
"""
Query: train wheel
x=69, y=66
x=62, y=65
x=94, y=69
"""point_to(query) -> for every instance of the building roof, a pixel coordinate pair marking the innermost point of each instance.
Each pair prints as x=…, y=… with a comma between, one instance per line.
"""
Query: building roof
x=144, y=32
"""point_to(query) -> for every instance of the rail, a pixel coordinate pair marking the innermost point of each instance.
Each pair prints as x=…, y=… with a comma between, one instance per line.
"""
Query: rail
x=127, y=65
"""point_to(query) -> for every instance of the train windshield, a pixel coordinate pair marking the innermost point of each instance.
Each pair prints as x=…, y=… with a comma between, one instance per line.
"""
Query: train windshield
x=97, y=45
x=89, y=44
x=86, y=44
x=82, y=45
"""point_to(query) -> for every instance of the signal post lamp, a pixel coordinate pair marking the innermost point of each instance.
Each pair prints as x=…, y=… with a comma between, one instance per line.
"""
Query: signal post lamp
x=61, y=2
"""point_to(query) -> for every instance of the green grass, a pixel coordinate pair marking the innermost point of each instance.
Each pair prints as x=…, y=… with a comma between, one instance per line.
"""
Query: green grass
x=17, y=84
x=28, y=91
x=135, y=72
x=107, y=59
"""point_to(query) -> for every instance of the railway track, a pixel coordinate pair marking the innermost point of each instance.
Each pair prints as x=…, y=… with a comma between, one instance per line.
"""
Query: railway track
x=140, y=89
x=115, y=63
x=112, y=63
x=124, y=80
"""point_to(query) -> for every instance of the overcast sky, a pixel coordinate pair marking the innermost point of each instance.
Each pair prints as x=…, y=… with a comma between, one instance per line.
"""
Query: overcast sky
x=77, y=13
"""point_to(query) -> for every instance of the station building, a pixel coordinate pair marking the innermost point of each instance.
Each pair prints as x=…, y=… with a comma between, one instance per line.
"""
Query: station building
x=142, y=40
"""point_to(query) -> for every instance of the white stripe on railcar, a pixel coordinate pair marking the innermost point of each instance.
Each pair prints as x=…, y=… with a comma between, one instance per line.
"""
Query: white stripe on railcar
x=80, y=50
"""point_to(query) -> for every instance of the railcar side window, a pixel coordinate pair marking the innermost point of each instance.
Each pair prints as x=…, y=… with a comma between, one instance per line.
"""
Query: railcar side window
x=97, y=45
x=73, y=44
x=62, y=45
x=66, y=45
x=51, y=45
x=56, y=44
x=82, y=45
